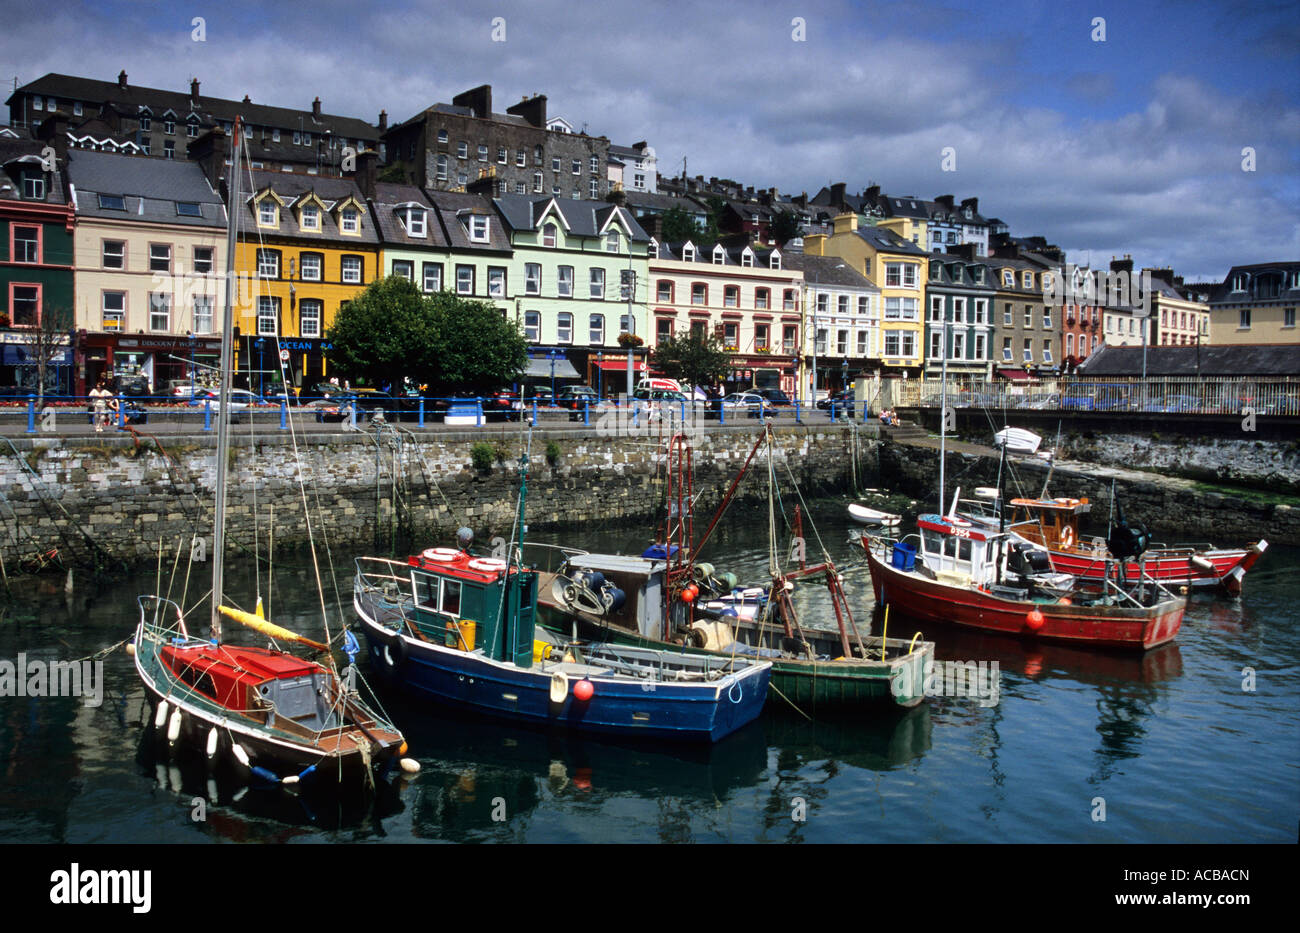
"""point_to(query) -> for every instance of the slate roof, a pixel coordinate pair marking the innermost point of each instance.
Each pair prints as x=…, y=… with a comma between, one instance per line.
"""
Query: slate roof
x=71, y=87
x=454, y=207
x=584, y=218
x=731, y=255
x=150, y=188
x=645, y=201
x=391, y=229
x=291, y=187
x=1224, y=294
x=15, y=152
x=826, y=270
x=882, y=239
x=1216, y=360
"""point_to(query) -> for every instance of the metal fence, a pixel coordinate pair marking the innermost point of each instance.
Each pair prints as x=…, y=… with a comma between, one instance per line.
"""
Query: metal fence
x=1154, y=394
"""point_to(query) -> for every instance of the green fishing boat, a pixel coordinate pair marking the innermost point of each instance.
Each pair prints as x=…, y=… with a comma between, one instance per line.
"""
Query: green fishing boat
x=665, y=597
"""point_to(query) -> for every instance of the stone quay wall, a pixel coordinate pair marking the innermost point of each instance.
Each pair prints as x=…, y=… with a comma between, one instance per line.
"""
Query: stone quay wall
x=121, y=501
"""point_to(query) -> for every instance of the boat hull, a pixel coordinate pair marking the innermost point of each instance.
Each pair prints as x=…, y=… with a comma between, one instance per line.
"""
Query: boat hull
x=1101, y=626
x=810, y=685
x=344, y=765
x=682, y=712
x=1174, y=567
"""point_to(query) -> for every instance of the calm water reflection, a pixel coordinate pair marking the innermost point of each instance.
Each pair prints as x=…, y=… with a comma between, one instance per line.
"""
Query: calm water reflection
x=1170, y=740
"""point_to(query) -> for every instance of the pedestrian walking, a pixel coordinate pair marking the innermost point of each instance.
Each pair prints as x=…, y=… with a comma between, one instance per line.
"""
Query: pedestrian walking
x=102, y=401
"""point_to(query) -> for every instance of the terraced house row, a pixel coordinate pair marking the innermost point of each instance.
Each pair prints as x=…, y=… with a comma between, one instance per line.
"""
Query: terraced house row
x=118, y=251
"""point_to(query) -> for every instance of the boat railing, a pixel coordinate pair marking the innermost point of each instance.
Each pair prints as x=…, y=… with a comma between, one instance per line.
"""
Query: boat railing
x=377, y=578
x=156, y=606
x=549, y=552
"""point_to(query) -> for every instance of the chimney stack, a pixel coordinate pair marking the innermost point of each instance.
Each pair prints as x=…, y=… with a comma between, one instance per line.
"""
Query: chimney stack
x=972, y=203
x=121, y=80
x=873, y=194
x=478, y=100
x=194, y=90
x=54, y=130
x=1122, y=265
x=383, y=121
x=209, y=150
x=846, y=223
x=367, y=172
x=837, y=194
x=315, y=109
x=947, y=200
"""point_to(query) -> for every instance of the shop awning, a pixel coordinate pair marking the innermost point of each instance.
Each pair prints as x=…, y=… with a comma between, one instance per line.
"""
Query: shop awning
x=25, y=356
x=540, y=367
x=1014, y=375
x=619, y=366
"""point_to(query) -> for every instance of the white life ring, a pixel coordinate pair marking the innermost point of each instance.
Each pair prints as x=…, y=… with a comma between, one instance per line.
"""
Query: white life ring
x=487, y=564
x=1067, y=536
x=442, y=554
x=959, y=522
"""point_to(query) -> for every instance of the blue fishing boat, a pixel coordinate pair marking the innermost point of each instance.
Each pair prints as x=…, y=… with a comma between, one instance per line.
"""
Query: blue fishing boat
x=460, y=629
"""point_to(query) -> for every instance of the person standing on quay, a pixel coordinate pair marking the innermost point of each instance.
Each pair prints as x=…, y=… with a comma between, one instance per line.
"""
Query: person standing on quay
x=103, y=401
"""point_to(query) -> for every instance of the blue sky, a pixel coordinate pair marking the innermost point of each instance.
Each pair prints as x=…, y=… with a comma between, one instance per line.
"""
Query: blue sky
x=1131, y=145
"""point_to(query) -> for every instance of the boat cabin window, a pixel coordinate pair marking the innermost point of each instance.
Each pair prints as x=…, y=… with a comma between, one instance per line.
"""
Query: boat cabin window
x=930, y=542
x=437, y=594
x=963, y=552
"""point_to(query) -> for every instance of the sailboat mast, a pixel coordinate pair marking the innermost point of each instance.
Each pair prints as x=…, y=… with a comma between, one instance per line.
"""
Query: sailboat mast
x=227, y=364
x=943, y=410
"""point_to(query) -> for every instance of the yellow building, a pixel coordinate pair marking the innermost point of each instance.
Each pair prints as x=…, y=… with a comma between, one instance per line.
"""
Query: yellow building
x=1256, y=304
x=307, y=244
x=899, y=268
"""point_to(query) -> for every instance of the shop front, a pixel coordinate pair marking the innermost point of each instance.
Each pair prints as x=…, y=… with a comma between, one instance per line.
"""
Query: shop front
x=20, y=356
x=160, y=359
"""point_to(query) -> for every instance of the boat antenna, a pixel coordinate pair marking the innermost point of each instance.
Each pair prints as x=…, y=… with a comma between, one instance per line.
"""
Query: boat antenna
x=223, y=412
x=1051, y=465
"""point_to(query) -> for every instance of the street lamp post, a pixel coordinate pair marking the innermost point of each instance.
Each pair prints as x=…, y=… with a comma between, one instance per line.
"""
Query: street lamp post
x=553, y=355
x=191, y=336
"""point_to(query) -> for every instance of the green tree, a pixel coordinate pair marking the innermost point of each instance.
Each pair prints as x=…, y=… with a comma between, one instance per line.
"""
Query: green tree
x=785, y=227
x=692, y=357
x=474, y=348
x=679, y=226
x=383, y=335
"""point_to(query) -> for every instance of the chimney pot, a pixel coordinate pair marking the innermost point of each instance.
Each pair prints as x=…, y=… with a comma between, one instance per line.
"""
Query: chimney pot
x=121, y=79
x=194, y=89
x=383, y=120
x=315, y=108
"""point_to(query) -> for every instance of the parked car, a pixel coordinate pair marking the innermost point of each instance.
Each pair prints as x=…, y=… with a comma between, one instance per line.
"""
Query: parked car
x=750, y=402
x=499, y=405
x=774, y=396
x=135, y=386
x=843, y=401
x=365, y=401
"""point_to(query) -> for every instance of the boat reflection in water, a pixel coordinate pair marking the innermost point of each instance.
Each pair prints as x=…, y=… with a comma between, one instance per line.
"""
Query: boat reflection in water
x=233, y=808
x=484, y=779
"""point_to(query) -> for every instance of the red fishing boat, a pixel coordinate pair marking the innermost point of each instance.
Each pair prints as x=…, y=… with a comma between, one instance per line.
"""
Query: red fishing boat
x=965, y=575
x=1054, y=524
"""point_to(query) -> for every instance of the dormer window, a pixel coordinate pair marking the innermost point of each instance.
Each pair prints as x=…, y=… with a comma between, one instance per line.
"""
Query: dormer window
x=747, y=259
x=416, y=222
x=1027, y=279
x=311, y=217
x=549, y=235
x=112, y=202
x=267, y=213
x=611, y=241
x=652, y=251
x=34, y=186
x=188, y=209
x=774, y=261
x=1008, y=278
x=478, y=228
x=1238, y=281
x=349, y=220
x=719, y=255
x=688, y=253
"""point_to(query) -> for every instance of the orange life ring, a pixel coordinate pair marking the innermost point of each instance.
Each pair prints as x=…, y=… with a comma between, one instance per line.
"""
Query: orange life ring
x=1067, y=536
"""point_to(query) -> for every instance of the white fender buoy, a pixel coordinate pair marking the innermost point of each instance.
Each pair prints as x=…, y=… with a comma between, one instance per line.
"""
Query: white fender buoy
x=290, y=779
x=212, y=742
x=174, y=726
x=1201, y=564
x=409, y=765
x=240, y=755
x=174, y=778
x=160, y=715
x=212, y=791
x=130, y=649
x=559, y=687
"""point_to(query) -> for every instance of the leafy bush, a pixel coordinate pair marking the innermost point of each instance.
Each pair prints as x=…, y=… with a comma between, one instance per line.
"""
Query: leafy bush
x=483, y=455
x=552, y=452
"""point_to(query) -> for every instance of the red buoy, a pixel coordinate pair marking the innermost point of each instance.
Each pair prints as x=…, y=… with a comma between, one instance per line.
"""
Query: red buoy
x=583, y=690
x=1065, y=601
x=1035, y=619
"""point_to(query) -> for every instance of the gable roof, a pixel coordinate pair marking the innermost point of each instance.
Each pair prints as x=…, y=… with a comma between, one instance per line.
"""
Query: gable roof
x=581, y=218
x=15, y=152
x=827, y=270
x=290, y=188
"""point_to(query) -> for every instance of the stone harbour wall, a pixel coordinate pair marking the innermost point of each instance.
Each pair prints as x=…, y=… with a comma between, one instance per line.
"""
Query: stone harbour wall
x=121, y=501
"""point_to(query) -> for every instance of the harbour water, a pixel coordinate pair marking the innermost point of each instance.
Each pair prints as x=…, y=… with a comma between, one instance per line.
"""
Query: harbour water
x=1193, y=742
